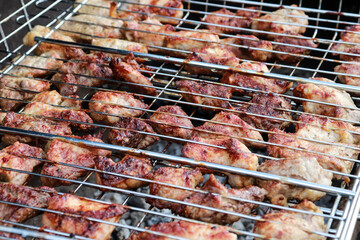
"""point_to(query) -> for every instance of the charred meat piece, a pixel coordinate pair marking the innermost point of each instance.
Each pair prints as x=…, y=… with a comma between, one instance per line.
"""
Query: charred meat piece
x=115, y=103
x=60, y=151
x=54, y=98
x=19, y=156
x=352, y=68
x=267, y=105
x=307, y=169
x=25, y=122
x=70, y=204
x=284, y=18
x=119, y=44
x=235, y=154
x=167, y=120
x=189, y=178
x=224, y=129
x=94, y=7
x=126, y=72
x=254, y=82
x=17, y=98
x=128, y=138
x=287, y=224
x=202, y=90
x=129, y=165
x=215, y=201
x=188, y=230
x=349, y=44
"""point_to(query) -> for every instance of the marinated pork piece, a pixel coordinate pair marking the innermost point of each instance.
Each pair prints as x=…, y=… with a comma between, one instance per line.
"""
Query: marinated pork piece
x=80, y=73
x=54, y=98
x=182, y=177
x=202, y=90
x=280, y=21
x=303, y=168
x=71, y=204
x=83, y=27
x=211, y=54
x=30, y=123
x=352, y=68
x=286, y=224
x=125, y=137
x=129, y=165
x=254, y=82
x=266, y=105
x=327, y=95
x=119, y=44
x=14, y=157
x=224, y=130
x=174, y=125
x=235, y=154
x=94, y=7
x=215, y=201
x=349, y=44
x=188, y=230
x=115, y=104
x=17, y=98
x=69, y=153
x=126, y=72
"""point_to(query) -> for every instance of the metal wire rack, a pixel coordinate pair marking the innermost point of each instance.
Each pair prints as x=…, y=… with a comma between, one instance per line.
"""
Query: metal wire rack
x=341, y=207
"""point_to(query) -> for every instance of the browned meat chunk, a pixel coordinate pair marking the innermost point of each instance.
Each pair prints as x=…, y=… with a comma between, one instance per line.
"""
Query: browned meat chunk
x=347, y=69
x=54, y=98
x=349, y=44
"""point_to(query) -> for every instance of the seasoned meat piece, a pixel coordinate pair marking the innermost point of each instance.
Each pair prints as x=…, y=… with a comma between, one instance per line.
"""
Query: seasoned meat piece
x=318, y=150
x=222, y=130
x=69, y=153
x=149, y=32
x=327, y=95
x=286, y=224
x=174, y=125
x=352, y=68
x=81, y=73
x=129, y=165
x=349, y=36
x=80, y=225
x=54, y=98
x=83, y=27
x=60, y=113
x=94, y=7
x=14, y=157
x=211, y=54
x=8, y=93
x=307, y=169
x=125, y=137
x=188, y=230
x=119, y=44
x=255, y=82
x=25, y=122
x=283, y=17
x=33, y=197
x=125, y=72
x=114, y=103
x=215, y=201
x=267, y=105
x=291, y=49
x=189, y=178
x=203, y=89
x=235, y=154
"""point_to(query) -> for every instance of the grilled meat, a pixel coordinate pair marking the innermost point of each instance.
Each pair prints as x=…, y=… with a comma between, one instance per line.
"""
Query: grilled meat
x=114, y=103
x=6, y=94
x=203, y=89
x=254, y=82
x=70, y=204
x=222, y=130
x=119, y=44
x=129, y=165
x=286, y=224
x=349, y=44
x=352, y=68
x=54, y=98
x=128, y=138
x=94, y=7
x=167, y=120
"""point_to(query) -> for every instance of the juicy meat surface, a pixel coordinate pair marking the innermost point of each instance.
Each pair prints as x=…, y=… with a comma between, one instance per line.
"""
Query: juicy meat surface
x=286, y=224
x=346, y=45
x=54, y=98
x=167, y=120
x=255, y=82
x=203, y=89
x=307, y=169
x=267, y=105
x=14, y=157
x=189, y=178
x=188, y=230
x=116, y=104
x=17, y=98
x=128, y=138
x=95, y=7
x=71, y=204
x=352, y=68
x=119, y=44
x=222, y=130
x=235, y=154
x=129, y=165
x=215, y=201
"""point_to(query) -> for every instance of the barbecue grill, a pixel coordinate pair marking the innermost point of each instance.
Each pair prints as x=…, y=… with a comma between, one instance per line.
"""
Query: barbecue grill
x=326, y=22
